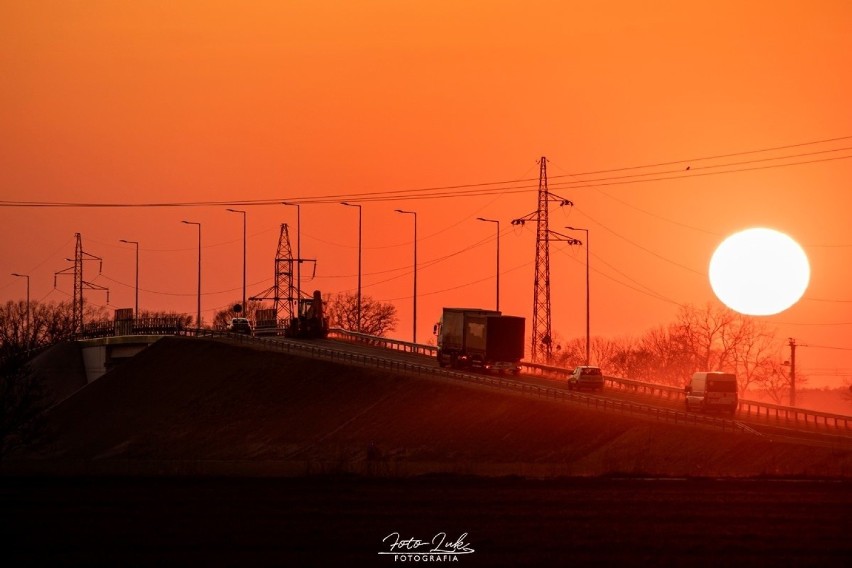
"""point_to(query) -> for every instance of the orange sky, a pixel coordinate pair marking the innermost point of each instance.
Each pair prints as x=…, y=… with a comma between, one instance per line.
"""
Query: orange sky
x=149, y=102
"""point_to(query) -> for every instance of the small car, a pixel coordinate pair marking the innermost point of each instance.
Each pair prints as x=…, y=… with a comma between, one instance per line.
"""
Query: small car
x=240, y=325
x=586, y=377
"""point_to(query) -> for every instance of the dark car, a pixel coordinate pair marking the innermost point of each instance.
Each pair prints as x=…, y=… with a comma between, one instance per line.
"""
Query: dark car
x=240, y=325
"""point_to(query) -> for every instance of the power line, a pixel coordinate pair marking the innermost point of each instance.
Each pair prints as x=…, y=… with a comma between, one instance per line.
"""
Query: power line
x=716, y=157
x=583, y=185
x=179, y=294
x=712, y=166
x=485, y=188
x=637, y=245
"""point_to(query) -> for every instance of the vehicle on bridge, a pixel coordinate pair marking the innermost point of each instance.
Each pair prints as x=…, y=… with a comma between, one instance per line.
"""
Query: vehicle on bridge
x=477, y=338
x=310, y=321
x=240, y=325
x=586, y=377
x=712, y=392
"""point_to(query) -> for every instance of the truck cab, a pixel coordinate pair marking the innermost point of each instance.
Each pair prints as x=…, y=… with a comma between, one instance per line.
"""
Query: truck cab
x=586, y=377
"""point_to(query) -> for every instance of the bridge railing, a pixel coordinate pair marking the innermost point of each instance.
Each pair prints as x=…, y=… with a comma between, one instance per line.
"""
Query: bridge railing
x=747, y=407
x=312, y=349
x=780, y=413
x=383, y=342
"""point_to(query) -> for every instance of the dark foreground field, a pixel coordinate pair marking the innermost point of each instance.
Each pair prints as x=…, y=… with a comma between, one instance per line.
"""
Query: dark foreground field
x=343, y=521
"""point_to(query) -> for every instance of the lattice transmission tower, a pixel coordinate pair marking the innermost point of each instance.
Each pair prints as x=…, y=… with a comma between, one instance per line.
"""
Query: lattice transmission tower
x=282, y=290
x=80, y=283
x=541, y=341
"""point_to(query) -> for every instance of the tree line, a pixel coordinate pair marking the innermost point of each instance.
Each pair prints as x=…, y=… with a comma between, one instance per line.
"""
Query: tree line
x=707, y=338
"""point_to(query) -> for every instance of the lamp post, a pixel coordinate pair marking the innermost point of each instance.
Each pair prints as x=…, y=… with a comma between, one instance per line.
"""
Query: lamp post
x=136, y=309
x=587, y=287
x=498, y=255
x=198, y=320
x=414, y=328
x=27, y=276
x=359, y=259
x=298, y=247
x=245, y=308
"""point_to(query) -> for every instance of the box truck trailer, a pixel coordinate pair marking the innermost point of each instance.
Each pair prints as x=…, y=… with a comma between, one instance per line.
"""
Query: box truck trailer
x=477, y=338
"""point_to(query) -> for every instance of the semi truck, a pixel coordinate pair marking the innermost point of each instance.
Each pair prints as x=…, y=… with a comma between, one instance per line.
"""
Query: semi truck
x=478, y=338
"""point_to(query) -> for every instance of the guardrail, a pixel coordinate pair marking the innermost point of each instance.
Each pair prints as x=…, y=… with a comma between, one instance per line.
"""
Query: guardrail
x=307, y=348
x=787, y=414
x=383, y=342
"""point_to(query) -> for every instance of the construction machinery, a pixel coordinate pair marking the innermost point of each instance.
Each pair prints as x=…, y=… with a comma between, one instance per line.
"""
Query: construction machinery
x=310, y=321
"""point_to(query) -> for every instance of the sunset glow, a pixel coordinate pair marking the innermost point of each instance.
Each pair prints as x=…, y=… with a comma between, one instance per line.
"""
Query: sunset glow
x=668, y=126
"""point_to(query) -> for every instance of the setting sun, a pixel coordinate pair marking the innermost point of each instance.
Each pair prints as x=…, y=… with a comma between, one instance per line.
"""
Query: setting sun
x=759, y=272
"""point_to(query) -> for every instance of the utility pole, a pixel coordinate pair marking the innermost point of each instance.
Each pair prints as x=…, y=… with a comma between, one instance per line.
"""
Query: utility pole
x=588, y=338
x=198, y=322
x=244, y=306
x=27, y=322
x=359, y=260
x=136, y=309
x=414, y=328
x=793, y=346
x=498, y=255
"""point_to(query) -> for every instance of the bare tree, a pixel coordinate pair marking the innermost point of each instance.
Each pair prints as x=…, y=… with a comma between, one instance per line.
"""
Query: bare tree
x=48, y=323
x=663, y=355
x=776, y=383
x=377, y=318
x=754, y=350
x=702, y=331
x=706, y=338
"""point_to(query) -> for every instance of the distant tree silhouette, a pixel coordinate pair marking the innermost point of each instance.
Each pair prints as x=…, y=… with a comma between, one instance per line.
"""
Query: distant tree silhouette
x=377, y=318
x=707, y=338
x=49, y=323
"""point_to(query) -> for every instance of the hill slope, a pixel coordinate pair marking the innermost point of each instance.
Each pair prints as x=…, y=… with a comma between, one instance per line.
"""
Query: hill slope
x=187, y=406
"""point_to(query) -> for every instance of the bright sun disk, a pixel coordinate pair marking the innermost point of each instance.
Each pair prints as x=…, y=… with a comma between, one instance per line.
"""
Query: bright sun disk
x=759, y=272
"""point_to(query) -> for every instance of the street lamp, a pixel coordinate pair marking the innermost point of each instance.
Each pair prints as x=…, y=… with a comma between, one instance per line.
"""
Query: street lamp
x=359, y=259
x=245, y=308
x=414, y=329
x=298, y=247
x=498, y=255
x=587, y=287
x=136, y=309
x=27, y=276
x=198, y=321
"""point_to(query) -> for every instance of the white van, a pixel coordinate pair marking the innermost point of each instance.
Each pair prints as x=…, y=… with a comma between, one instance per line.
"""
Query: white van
x=708, y=392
